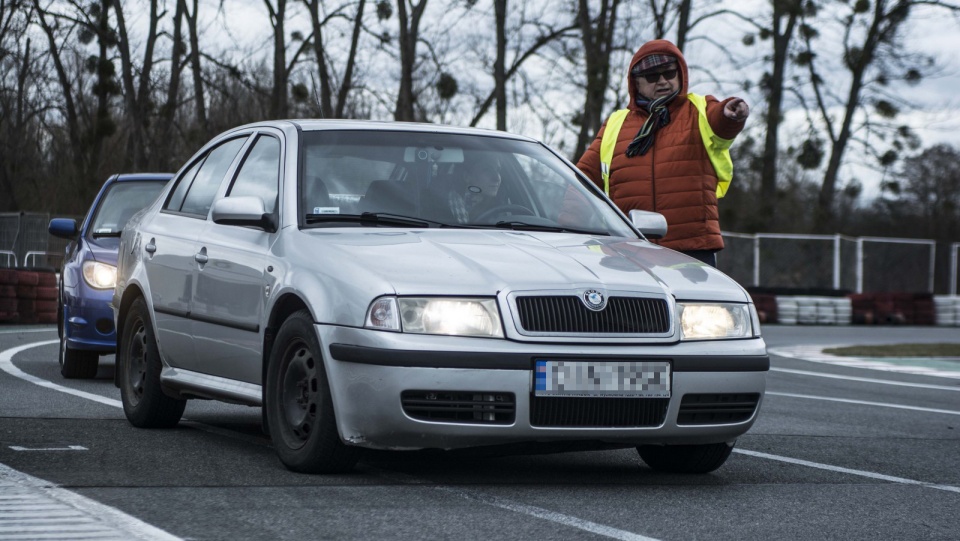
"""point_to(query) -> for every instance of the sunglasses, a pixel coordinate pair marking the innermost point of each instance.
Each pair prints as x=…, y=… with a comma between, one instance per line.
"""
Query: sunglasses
x=668, y=75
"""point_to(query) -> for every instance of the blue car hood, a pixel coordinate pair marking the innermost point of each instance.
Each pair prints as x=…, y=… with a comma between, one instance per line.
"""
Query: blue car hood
x=103, y=249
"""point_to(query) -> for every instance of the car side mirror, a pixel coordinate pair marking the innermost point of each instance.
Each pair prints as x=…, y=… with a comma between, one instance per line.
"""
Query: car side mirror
x=651, y=224
x=244, y=210
x=65, y=228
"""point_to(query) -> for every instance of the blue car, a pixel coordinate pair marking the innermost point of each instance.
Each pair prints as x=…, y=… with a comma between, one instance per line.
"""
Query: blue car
x=88, y=274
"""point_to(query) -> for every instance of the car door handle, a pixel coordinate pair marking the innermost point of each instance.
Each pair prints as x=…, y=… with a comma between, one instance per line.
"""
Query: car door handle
x=150, y=248
x=201, y=258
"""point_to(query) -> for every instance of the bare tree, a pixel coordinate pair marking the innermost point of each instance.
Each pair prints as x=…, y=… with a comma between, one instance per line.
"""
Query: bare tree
x=199, y=101
x=330, y=108
x=597, y=38
x=137, y=95
x=873, y=55
x=409, y=15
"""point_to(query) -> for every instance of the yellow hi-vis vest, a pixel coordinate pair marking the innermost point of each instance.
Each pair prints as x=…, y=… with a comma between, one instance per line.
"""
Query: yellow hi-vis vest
x=718, y=149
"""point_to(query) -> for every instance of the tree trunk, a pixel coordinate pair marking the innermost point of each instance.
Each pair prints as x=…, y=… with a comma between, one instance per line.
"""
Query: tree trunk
x=409, y=34
x=499, y=66
x=200, y=107
x=597, y=40
x=347, y=84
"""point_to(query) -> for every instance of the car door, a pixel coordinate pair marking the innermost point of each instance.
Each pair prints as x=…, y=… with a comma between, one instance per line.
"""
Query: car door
x=233, y=284
x=169, y=240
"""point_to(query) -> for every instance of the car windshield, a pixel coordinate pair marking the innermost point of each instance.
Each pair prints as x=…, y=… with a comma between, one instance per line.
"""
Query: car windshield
x=409, y=179
x=122, y=200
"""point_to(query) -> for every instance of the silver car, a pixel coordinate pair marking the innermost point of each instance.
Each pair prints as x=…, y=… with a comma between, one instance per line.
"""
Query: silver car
x=401, y=286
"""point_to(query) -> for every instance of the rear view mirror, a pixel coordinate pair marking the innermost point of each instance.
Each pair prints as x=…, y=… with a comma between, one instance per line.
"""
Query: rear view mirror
x=437, y=155
x=65, y=228
x=651, y=224
x=246, y=210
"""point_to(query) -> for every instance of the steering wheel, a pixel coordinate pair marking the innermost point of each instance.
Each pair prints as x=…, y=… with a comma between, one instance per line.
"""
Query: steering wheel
x=498, y=210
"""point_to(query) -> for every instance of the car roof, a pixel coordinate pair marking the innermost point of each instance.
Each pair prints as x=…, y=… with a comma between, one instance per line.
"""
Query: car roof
x=126, y=177
x=376, y=125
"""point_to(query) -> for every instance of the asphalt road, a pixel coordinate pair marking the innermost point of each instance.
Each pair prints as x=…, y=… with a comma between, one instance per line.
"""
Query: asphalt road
x=838, y=452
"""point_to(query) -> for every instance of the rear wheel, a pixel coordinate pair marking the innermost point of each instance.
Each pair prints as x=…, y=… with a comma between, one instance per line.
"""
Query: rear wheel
x=138, y=361
x=298, y=405
x=685, y=458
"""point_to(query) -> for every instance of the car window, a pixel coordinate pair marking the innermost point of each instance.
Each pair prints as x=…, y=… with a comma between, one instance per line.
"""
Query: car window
x=453, y=179
x=123, y=200
x=260, y=173
x=175, y=201
x=204, y=187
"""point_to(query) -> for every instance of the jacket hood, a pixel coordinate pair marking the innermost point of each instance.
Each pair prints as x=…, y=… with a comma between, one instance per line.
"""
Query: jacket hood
x=657, y=46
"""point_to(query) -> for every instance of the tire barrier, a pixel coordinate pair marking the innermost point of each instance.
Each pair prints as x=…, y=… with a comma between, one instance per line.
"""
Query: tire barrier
x=859, y=309
x=28, y=296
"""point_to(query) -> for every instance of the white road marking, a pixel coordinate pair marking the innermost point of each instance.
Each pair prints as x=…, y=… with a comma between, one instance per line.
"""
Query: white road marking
x=815, y=354
x=68, y=448
x=34, y=509
x=865, y=403
x=20, y=331
x=6, y=364
x=838, y=469
x=516, y=507
x=867, y=380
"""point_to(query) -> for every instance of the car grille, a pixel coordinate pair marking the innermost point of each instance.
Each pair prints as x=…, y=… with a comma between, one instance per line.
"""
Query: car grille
x=460, y=406
x=555, y=411
x=717, y=409
x=567, y=314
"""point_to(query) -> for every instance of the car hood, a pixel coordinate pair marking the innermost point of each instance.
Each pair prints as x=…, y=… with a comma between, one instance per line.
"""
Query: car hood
x=485, y=262
x=103, y=249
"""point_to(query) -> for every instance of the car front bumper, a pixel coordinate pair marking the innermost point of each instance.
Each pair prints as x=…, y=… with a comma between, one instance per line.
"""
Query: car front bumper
x=370, y=370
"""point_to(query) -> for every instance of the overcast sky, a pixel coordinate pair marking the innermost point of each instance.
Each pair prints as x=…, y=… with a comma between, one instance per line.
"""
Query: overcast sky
x=935, y=119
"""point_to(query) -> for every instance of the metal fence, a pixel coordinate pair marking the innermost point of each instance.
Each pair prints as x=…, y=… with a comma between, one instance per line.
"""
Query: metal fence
x=25, y=242
x=839, y=262
x=773, y=260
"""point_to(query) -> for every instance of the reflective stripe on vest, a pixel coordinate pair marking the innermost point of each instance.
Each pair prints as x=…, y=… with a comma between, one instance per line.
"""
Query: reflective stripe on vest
x=718, y=149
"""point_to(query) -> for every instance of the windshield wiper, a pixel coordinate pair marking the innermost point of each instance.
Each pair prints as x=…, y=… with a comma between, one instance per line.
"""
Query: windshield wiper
x=520, y=225
x=374, y=219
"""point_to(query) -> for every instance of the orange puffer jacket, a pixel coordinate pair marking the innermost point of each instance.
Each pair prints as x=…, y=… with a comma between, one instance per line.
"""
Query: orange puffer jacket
x=675, y=177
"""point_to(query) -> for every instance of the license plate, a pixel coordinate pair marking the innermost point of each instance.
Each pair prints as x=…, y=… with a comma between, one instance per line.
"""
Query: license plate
x=638, y=379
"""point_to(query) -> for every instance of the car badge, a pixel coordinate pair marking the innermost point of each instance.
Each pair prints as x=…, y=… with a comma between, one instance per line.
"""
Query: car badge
x=594, y=300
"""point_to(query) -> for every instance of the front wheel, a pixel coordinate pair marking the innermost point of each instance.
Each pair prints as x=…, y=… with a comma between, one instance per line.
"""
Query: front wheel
x=685, y=458
x=138, y=361
x=75, y=363
x=298, y=405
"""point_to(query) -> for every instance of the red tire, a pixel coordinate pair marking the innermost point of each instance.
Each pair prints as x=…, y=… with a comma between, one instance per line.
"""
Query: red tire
x=26, y=292
x=28, y=278
x=8, y=292
x=46, y=307
x=26, y=306
x=45, y=293
x=47, y=318
x=8, y=316
x=28, y=319
x=8, y=305
x=46, y=279
x=9, y=277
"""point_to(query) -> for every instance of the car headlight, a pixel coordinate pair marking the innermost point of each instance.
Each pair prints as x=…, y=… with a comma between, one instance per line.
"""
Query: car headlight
x=712, y=321
x=436, y=315
x=99, y=275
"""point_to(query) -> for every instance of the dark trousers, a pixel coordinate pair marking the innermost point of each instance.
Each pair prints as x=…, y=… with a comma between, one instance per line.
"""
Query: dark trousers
x=707, y=256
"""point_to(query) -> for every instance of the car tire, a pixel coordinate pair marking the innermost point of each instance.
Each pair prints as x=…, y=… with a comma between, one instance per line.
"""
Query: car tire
x=138, y=362
x=76, y=363
x=298, y=404
x=685, y=458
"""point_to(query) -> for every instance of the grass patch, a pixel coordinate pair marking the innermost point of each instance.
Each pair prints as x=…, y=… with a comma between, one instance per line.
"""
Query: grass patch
x=898, y=350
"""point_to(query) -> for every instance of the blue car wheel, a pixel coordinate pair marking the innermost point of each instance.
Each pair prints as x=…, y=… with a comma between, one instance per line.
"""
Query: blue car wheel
x=74, y=363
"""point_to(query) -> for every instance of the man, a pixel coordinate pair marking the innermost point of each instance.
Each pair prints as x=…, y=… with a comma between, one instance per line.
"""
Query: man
x=660, y=162
x=476, y=193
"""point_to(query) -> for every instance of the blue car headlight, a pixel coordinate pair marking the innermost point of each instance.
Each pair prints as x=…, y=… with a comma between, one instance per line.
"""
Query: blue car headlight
x=99, y=275
x=714, y=321
x=436, y=315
